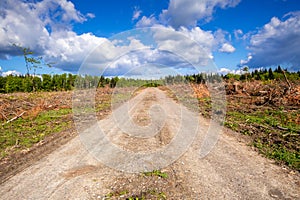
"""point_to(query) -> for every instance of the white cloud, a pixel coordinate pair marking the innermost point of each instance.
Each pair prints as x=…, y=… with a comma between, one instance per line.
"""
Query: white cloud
x=136, y=13
x=11, y=72
x=244, y=62
x=229, y=71
x=227, y=48
x=32, y=24
x=115, y=57
x=238, y=34
x=90, y=15
x=70, y=49
x=277, y=42
x=204, y=38
x=181, y=17
x=45, y=28
x=224, y=70
x=20, y=25
x=63, y=11
x=188, y=12
x=170, y=49
x=146, y=22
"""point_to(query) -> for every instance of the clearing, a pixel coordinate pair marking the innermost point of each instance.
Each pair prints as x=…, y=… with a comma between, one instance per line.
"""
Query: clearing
x=232, y=170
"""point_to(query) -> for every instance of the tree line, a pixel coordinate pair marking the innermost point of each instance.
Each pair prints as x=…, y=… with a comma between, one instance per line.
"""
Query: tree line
x=264, y=75
x=64, y=82
x=47, y=82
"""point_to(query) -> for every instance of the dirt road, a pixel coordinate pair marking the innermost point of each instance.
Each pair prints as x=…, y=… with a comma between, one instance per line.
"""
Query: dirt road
x=232, y=170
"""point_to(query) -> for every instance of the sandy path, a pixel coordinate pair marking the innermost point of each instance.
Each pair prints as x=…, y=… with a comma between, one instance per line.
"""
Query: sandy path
x=232, y=170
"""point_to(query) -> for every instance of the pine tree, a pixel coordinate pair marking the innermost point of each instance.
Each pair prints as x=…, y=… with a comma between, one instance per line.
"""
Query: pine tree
x=271, y=75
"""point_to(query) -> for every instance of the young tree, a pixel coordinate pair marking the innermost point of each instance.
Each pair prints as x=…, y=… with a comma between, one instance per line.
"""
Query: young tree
x=271, y=75
x=2, y=84
x=278, y=69
x=246, y=71
x=113, y=82
x=32, y=62
x=70, y=81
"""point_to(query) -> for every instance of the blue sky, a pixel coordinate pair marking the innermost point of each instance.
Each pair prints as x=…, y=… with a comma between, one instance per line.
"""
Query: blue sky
x=230, y=33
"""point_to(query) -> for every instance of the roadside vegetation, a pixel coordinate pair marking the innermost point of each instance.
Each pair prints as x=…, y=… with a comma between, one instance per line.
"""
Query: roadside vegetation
x=263, y=104
x=23, y=133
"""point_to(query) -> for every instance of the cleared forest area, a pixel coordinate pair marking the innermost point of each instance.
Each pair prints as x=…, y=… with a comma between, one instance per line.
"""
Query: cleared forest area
x=266, y=113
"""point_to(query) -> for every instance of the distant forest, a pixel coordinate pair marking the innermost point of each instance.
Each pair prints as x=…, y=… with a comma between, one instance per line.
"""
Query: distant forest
x=64, y=82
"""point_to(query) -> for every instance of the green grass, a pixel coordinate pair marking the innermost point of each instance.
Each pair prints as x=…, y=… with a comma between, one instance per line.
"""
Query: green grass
x=156, y=173
x=272, y=118
x=274, y=132
x=23, y=133
x=205, y=106
x=279, y=153
x=152, y=192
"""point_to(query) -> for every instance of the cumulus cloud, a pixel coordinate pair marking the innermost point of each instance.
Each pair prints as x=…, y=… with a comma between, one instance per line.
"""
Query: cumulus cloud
x=10, y=72
x=20, y=24
x=145, y=62
x=113, y=57
x=146, y=22
x=277, y=42
x=196, y=45
x=224, y=71
x=70, y=49
x=188, y=12
x=227, y=48
x=169, y=49
x=45, y=28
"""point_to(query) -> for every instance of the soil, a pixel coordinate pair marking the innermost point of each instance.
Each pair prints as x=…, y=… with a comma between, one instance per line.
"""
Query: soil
x=232, y=170
x=12, y=105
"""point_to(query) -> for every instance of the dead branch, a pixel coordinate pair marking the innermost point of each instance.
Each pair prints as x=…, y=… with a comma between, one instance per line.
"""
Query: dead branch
x=290, y=86
x=16, y=117
x=282, y=128
x=287, y=129
x=3, y=116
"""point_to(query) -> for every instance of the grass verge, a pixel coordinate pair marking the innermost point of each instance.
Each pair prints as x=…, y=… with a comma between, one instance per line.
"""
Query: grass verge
x=22, y=133
x=274, y=132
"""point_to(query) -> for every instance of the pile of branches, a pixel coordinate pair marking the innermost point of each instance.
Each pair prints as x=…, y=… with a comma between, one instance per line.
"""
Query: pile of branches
x=273, y=93
x=26, y=105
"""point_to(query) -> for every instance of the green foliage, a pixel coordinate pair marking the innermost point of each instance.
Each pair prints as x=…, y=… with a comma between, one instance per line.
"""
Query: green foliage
x=156, y=173
x=123, y=82
x=232, y=76
x=23, y=133
x=279, y=153
x=264, y=75
x=30, y=83
x=31, y=62
x=281, y=144
x=113, y=82
x=47, y=82
x=65, y=82
x=154, y=193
